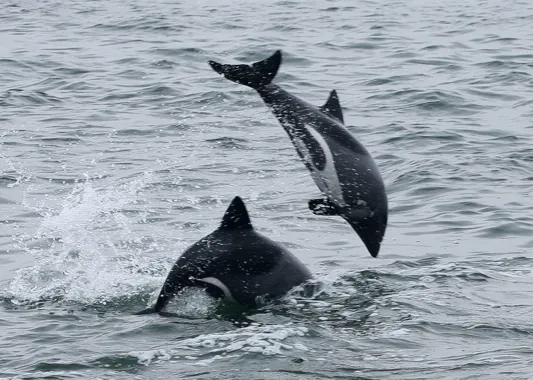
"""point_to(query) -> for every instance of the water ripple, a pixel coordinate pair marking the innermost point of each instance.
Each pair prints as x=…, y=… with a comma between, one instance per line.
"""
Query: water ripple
x=119, y=147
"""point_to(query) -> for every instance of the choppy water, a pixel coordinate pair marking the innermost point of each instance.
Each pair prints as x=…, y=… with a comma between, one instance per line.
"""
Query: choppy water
x=119, y=147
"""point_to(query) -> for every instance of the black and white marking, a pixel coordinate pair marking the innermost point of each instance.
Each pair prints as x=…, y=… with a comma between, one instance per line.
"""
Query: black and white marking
x=340, y=165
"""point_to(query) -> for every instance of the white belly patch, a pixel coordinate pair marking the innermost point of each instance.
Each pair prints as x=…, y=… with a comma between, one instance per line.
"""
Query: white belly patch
x=326, y=179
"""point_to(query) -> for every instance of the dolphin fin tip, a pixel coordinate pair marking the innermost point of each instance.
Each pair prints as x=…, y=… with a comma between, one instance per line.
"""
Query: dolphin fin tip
x=333, y=107
x=236, y=215
x=150, y=310
x=218, y=67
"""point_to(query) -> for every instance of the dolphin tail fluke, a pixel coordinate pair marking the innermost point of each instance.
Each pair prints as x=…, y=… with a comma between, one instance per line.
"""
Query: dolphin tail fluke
x=256, y=76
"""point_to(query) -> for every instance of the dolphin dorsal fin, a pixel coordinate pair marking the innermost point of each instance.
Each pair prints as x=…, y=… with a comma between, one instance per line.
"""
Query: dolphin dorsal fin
x=333, y=107
x=236, y=216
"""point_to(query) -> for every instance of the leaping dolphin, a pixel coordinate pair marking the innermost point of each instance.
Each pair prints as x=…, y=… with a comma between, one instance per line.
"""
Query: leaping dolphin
x=234, y=262
x=340, y=165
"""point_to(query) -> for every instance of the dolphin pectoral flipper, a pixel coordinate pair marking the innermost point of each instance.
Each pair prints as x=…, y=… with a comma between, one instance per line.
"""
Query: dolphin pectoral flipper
x=322, y=207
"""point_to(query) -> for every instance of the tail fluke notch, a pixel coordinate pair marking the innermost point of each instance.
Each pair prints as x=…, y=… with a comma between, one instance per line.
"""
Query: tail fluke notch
x=257, y=75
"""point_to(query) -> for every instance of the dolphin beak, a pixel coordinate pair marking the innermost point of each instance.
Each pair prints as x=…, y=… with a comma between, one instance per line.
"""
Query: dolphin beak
x=371, y=231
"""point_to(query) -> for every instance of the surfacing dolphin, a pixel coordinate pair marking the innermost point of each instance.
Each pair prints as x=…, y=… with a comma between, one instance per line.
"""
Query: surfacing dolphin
x=234, y=262
x=340, y=165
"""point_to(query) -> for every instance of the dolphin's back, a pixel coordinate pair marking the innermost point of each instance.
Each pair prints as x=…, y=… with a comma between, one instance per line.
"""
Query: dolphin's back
x=253, y=265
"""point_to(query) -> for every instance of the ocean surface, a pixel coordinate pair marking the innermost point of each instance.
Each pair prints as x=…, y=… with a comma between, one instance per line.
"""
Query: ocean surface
x=120, y=147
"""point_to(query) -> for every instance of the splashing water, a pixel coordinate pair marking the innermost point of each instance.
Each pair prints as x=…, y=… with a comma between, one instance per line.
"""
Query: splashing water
x=85, y=258
x=13, y=172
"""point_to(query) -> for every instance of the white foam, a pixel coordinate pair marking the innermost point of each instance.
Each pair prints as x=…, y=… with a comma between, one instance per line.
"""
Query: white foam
x=206, y=362
x=266, y=340
x=206, y=349
x=400, y=332
x=146, y=357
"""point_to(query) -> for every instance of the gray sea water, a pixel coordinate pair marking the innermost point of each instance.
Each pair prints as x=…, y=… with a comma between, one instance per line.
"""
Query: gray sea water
x=119, y=147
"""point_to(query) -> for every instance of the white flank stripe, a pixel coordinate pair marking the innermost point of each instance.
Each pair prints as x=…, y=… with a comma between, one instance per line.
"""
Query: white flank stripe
x=327, y=180
x=219, y=284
